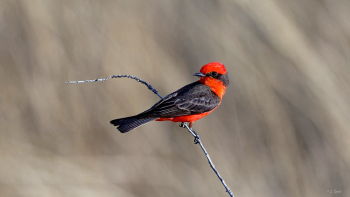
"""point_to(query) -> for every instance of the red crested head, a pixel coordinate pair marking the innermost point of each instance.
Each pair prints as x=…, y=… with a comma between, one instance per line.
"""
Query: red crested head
x=215, y=76
x=213, y=67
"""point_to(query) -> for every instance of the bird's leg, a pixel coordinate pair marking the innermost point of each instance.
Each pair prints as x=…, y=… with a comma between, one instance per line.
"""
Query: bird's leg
x=182, y=124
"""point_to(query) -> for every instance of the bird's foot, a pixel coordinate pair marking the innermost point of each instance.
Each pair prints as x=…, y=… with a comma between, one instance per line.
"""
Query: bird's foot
x=182, y=124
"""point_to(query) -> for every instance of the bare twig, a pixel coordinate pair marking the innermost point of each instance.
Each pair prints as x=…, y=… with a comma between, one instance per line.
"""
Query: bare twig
x=118, y=76
x=197, y=139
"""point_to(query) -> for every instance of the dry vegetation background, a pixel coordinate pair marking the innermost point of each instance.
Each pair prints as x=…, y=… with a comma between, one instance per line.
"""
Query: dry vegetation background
x=282, y=130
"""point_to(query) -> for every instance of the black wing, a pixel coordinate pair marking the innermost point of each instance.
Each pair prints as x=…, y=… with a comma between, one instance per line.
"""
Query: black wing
x=194, y=98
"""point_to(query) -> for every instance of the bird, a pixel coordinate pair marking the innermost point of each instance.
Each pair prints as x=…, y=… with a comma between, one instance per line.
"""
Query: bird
x=187, y=104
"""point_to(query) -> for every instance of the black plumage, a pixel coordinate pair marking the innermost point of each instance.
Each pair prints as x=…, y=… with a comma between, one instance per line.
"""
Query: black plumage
x=191, y=99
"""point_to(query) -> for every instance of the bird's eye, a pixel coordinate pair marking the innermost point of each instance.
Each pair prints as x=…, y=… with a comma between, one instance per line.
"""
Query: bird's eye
x=214, y=74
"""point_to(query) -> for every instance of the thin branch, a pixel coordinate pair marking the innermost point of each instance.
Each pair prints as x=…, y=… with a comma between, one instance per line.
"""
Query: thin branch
x=197, y=139
x=118, y=76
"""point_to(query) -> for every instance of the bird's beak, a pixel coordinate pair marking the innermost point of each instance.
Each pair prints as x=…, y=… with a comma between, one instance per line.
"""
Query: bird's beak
x=199, y=74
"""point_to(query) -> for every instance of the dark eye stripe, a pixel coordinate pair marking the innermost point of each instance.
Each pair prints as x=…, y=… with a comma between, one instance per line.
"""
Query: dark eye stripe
x=213, y=74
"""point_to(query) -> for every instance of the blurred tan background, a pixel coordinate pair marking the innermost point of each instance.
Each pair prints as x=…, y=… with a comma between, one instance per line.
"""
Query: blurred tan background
x=282, y=130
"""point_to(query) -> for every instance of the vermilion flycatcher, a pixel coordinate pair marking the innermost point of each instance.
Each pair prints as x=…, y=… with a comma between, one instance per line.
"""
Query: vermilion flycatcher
x=188, y=104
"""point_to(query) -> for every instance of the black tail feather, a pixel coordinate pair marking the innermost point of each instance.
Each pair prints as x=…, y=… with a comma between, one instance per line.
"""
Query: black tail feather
x=126, y=124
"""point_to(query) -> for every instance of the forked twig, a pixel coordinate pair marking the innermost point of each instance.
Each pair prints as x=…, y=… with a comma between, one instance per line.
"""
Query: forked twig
x=197, y=138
